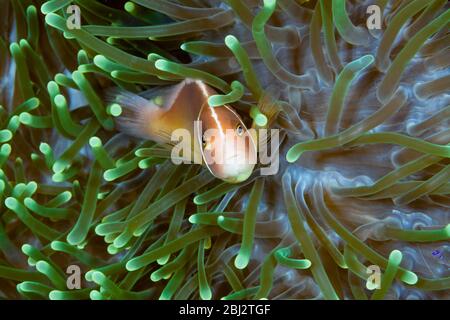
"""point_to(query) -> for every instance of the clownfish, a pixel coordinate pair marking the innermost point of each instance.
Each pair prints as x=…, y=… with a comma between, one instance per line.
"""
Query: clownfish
x=184, y=105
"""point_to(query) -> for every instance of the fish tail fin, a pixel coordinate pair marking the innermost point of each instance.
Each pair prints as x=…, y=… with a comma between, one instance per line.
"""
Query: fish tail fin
x=137, y=112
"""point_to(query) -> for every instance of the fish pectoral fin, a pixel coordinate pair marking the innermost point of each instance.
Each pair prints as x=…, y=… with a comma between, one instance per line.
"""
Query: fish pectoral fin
x=165, y=138
x=161, y=150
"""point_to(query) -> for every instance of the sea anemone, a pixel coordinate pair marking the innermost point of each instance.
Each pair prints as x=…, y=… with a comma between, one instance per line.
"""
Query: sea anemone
x=363, y=180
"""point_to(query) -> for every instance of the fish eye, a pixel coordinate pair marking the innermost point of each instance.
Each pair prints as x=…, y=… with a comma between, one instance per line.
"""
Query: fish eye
x=203, y=141
x=239, y=130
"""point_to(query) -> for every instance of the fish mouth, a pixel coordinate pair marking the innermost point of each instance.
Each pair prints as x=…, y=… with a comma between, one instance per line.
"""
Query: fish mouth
x=236, y=156
x=241, y=177
x=247, y=160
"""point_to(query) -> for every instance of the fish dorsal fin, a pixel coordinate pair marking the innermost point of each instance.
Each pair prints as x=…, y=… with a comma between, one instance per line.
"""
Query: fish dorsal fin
x=161, y=111
x=182, y=106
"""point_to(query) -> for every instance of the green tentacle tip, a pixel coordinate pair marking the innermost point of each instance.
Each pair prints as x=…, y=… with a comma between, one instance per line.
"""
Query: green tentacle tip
x=59, y=166
x=25, y=118
x=56, y=245
x=155, y=57
x=132, y=265
x=259, y=118
x=241, y=261
x=163, y=65
x=306, y=264
x=116, y=75
x=14, y=48
x=121, y=170
x=95, y=295
x=60, y=100
x=447, y=231
x=155, y=277
x=366, y=60
x=42, y=266
x=26, y=248
x=409, y=277
x=98, y=277
x=162, y=261
x=114, y=110
x=5, y=149
x=5, y=135
x=129, y=6
x=292, y=155
x=88, y=275
x=44, y=147
x=198, y=200
x=13, y=123
x=146, y=163
x=23, y=43
x=75, y=237
x=110, y=175
x=101, y=229
x=271, y=4
x=122, y=239
x=282, y=256
x=206, y=294
x=11, y=203
x=112, y=250
x=236, y=93
x=66, y=196
x=56, y=295
x=95, y=142
x=100, y=60
x=395, y=256
x=20, y=287
x=231, y=41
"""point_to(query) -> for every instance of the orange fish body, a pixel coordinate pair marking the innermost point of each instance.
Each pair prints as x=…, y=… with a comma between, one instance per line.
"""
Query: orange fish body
x=220, y=133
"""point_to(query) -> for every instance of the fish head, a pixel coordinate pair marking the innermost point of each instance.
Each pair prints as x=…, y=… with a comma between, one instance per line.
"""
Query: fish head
x=228, y=147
